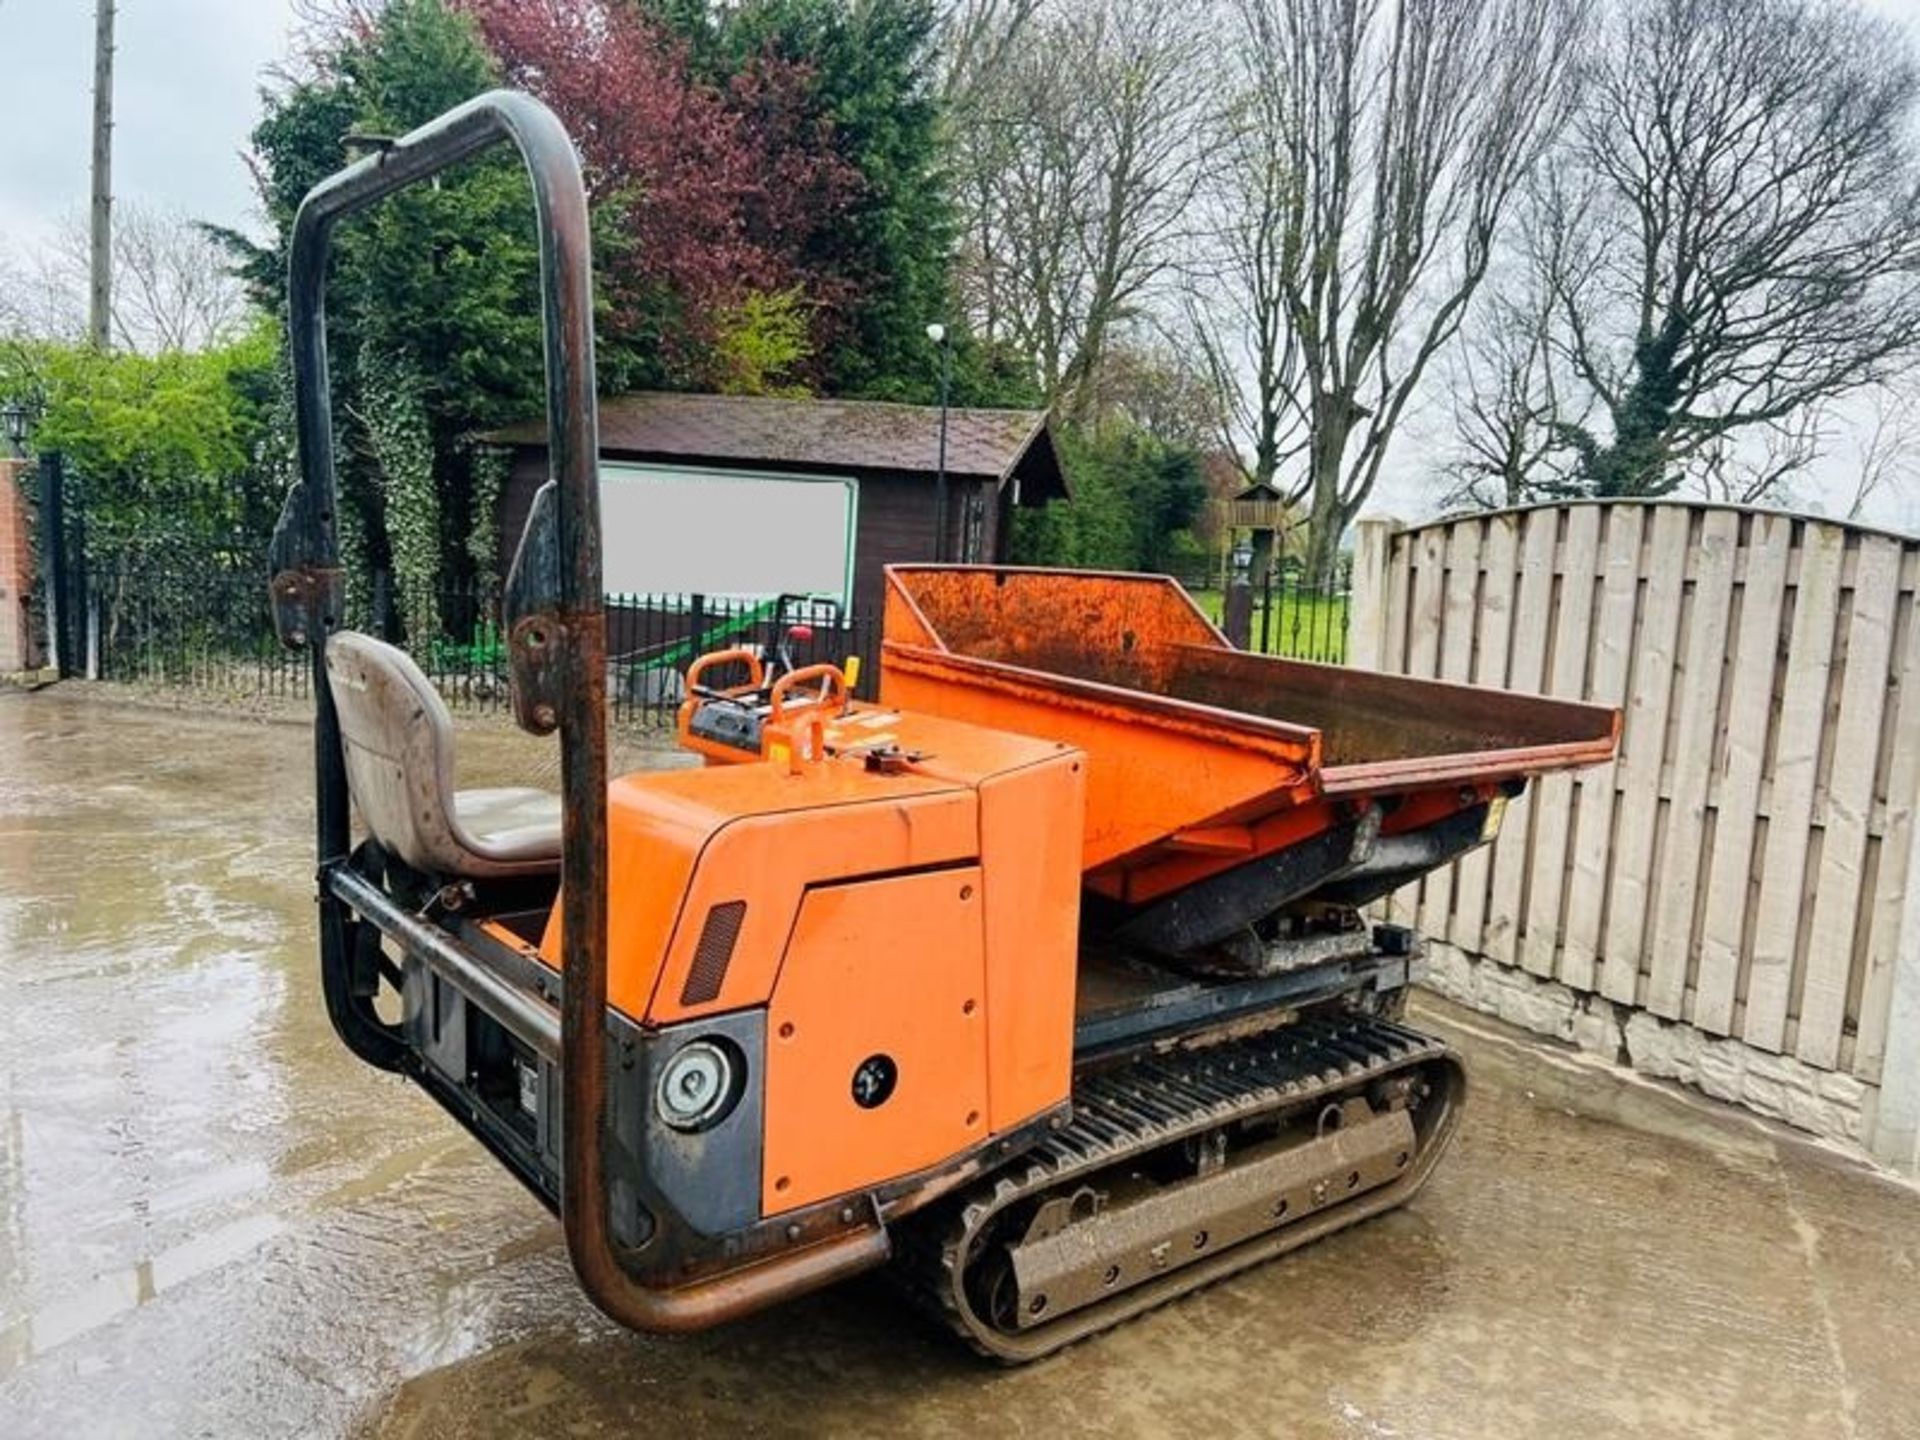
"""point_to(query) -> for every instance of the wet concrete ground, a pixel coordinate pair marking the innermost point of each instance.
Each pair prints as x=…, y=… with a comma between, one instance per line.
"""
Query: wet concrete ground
x=212, y=1222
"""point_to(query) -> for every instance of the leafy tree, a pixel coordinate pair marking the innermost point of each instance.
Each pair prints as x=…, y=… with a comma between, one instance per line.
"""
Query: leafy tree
x=990, y=373
x=770, y=215
x=761, y=340
x=881, y=267
x=738, y=173
x=433, y=306
x=1135, y=497
x=166, y=448
x=715, y=187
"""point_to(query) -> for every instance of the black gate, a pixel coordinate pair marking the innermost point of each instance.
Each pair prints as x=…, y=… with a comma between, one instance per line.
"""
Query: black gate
x=61, y=570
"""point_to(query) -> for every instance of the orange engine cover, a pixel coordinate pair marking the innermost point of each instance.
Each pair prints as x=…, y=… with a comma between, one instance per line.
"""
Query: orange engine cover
x=924, y=913
x=889, y=975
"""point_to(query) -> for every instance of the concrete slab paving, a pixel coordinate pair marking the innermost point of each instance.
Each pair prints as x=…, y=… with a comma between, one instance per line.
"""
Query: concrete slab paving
x=213, y=1222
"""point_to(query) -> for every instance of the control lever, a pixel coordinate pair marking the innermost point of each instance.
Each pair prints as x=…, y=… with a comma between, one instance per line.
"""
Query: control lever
x=797, y=634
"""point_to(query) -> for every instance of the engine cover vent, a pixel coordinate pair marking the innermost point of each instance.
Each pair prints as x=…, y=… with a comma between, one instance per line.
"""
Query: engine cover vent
x=714, y=952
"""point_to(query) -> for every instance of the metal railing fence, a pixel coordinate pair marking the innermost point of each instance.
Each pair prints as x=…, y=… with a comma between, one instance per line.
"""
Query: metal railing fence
x=212, y=631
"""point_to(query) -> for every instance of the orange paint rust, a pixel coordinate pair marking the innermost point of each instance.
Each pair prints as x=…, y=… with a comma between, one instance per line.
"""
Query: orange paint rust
x=1166, y=871
x=1192, y=744
x=1079, y=657
x=1101, y=626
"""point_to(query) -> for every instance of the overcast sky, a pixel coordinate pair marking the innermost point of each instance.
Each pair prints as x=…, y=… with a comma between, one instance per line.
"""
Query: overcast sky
x=187, y=78
x=186, y=82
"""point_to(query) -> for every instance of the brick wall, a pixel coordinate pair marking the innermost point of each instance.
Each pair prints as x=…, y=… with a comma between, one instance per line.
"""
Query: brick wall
x=17, y=648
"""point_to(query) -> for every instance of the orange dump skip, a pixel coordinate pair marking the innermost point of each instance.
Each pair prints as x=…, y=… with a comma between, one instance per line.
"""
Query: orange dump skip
x=1200, y=755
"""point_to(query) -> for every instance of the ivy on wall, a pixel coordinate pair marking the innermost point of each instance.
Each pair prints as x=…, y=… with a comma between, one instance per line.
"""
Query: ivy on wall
x=488, y=467
x=393, y=416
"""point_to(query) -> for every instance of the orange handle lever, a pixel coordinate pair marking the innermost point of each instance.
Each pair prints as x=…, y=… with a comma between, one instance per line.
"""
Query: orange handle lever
x=834, y=677
x=756, y=670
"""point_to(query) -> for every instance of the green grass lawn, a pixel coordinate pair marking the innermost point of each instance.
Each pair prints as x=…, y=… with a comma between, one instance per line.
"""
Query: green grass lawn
x=1302, y=626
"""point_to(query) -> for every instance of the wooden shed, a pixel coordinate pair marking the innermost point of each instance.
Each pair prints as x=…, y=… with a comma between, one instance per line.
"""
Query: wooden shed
x=736, y=496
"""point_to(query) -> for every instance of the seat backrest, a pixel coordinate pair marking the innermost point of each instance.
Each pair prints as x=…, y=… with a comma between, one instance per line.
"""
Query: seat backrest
x=398, y=739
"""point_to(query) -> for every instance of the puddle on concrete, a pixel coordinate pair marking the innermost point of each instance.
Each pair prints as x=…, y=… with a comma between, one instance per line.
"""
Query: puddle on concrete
x=208, y=1212
x=214, y=1222
x=116, y=1293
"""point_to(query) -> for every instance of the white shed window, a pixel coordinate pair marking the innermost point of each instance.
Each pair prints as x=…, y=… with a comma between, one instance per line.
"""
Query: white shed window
x=727, y=534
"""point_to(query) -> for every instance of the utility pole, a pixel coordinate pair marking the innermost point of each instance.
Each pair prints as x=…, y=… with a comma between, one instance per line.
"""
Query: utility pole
x=100, y=293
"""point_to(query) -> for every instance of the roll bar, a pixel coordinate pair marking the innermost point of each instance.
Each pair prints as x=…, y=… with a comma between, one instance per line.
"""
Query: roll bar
x=556, y=625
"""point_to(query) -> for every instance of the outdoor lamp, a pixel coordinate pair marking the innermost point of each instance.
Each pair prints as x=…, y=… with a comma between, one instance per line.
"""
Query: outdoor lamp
x=937, y=333
x=14, y=416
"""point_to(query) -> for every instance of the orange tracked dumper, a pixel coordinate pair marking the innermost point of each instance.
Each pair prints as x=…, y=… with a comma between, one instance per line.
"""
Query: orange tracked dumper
x=1044, y=979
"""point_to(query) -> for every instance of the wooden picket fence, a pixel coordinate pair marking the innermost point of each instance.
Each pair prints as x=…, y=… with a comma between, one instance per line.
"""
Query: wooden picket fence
x=1748, y=865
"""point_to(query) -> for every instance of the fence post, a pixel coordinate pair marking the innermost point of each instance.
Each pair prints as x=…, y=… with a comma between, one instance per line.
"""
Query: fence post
x=1896, y=1130
x=1367, y=605
x=381, y=619
x=53, y=560
x=84, y=628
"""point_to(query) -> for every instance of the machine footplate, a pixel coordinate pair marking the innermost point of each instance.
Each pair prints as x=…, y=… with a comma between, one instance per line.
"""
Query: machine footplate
x=1183, y=1169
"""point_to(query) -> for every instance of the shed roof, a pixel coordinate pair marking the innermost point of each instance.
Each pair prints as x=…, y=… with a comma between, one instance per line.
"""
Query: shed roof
x=996, y=445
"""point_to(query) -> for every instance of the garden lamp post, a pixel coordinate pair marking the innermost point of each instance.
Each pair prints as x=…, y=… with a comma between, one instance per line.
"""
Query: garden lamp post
x=15, y=417
x=1236, y=606
x=937, y=333
x=15, y=420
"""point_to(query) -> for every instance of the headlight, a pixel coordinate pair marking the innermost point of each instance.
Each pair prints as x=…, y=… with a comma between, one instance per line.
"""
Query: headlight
x=697, y=1086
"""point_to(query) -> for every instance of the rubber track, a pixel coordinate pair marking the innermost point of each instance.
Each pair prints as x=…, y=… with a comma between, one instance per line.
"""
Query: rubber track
x=1120, y=1115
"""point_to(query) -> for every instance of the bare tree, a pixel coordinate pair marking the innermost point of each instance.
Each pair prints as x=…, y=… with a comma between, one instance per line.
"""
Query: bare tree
x=1889, y=450
x=37, y=300
x=1394, y=134
x=976, y=40
x=1237, y=308
x=173, y=284
x=318, y=25
x=1155, y=386
x=1506, y=408
x=1747, y=242
x=334, y=17
x=1079, y=160
x=1513, y=402
x=1759, y=462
